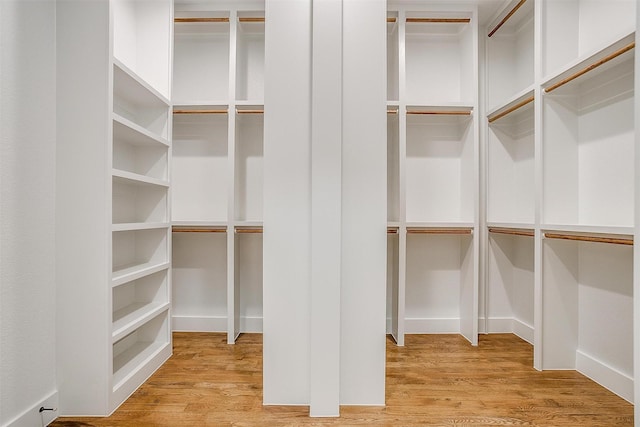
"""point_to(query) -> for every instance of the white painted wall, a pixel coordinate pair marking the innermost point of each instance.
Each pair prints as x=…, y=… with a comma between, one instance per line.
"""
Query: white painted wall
x=27, y=212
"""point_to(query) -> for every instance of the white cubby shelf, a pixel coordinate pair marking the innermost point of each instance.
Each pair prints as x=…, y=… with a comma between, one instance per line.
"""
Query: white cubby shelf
x=588, y=139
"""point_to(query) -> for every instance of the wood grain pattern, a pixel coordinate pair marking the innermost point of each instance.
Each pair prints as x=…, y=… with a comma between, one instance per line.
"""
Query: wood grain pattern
x=435, y=380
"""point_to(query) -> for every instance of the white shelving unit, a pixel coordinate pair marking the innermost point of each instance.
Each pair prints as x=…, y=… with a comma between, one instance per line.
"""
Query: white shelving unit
x=216, y=171
x=118, y=148
x=432, y=170
x=561, y=182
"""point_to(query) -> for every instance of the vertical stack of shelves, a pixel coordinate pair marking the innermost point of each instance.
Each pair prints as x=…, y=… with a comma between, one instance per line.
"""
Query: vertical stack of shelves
x=140, y=243
x=113, y=159
x=560, y=179
x=511, y=207
x=217, y=167
x=433, y=170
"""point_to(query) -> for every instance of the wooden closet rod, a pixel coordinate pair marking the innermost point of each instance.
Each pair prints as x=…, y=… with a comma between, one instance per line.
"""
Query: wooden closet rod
x=439, y=20
x=442, y=113
x=189, y=20
x=249, y=230
x=506, y=18
x=392, y=111
x=512, y=109
x=199, y=111
x=392, y=230
x=198, y=230
x=511, y=231
x=249, y=111
x=439, y=231
x=391, y=20
x=591, y=67
x=251, y=19
x=612, y=240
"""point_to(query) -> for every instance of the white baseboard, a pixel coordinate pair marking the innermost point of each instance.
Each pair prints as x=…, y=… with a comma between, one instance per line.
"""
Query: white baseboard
x=523, y=330
x=431, y=326
x=199, y=324
x=33, y=416
x=608, y=377
x=507, y=325
x=213, y=324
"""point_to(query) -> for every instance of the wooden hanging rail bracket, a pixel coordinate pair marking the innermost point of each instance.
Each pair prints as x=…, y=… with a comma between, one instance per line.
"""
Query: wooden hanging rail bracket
x=198, y=230
x=591, y=67
x=441, y=112
x=199, y=111
x=249, y=111
x=612, y=240
x=511, y=231
x=414, y=230
x=511, y=109
x=391, y=20
x=247, y=19
x=246, y=230
x=203, y=19
x=438, y=20
x=506, y=18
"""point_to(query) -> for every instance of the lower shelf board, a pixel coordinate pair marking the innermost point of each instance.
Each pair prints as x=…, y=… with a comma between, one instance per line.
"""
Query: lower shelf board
x=127, y=363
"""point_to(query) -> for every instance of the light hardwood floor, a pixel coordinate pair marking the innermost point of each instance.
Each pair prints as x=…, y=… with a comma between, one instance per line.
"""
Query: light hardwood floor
x=435, y=380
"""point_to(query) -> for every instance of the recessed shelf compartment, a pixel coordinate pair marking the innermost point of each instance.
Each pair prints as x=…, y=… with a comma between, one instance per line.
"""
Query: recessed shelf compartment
x=131, y=353
x=393, y=166
x=138, y=249
x=588, y=311
x=201, y=59
x=573, y=29
x=511, y=177
x=138, y=153
x=139, y=103
x=141, y=39
x=199, y=281
x=439, y=283
x=447, y=44
x=137, y=302
x=510, y=285
x=250, y=56
x=248, y=276
x=249, y=157
x=588, y=145
x=200, y=169
x=510, y=50
x=440, y=168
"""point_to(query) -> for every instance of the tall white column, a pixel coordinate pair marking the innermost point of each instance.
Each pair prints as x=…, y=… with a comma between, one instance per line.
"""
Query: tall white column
x=287, y=202
x=364, y=203
x=326, y=202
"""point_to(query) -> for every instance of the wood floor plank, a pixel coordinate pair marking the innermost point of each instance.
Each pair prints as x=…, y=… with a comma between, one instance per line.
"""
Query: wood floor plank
x=435, y=380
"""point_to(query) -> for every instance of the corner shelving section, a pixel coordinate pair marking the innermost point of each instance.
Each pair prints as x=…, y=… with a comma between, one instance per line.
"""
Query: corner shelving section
x=560, y=184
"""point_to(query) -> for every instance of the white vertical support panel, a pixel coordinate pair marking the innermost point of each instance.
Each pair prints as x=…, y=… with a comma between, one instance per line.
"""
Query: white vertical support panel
x=636, y=246
x=364, y=203
x=538, y=331
x=402, y=155
x=83, y=212
x=233, y=282
x=326, y=181
x=469, y=288
x=287, y=202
